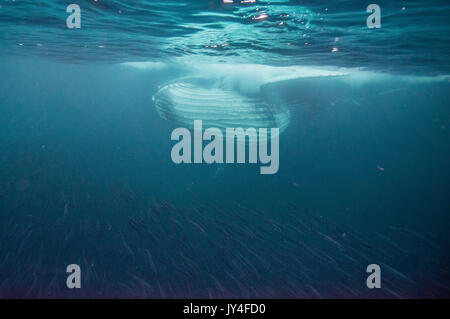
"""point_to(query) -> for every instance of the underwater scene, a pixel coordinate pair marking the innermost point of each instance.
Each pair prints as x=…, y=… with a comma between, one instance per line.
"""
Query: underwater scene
x=224, y=149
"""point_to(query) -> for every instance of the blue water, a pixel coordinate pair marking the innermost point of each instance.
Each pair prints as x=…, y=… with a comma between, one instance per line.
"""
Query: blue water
x=86, y=175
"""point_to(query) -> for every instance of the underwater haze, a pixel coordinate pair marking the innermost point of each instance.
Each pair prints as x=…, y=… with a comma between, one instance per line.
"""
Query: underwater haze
x=87, y=177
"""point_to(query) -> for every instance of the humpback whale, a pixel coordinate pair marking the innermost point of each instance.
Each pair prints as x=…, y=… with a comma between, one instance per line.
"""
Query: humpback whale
x=231, y=95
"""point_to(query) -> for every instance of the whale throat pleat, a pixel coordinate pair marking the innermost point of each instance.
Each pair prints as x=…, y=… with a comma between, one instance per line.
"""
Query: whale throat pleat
x=183, y=101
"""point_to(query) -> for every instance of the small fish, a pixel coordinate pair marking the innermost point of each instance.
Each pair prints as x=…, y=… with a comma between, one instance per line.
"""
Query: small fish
x=198, y=226
x=128, y=248
x=331, y=240
x=396, y=273
x=150, y=260
x=24, y=240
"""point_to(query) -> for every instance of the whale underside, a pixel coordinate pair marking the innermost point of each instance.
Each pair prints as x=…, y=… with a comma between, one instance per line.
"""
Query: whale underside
x=187, y=99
